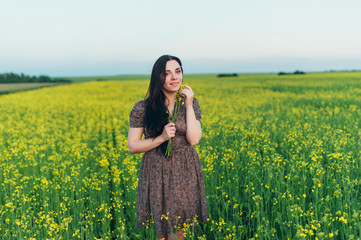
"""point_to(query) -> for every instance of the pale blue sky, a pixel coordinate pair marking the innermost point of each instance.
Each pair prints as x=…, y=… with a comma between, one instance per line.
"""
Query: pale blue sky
x=109, y=37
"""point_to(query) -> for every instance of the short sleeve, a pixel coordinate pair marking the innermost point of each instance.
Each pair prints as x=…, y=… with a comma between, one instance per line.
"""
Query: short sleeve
x=136, y=116
x=197, y=109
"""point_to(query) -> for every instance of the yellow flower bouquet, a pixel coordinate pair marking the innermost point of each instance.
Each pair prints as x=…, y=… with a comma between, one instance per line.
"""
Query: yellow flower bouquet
x=178, y=101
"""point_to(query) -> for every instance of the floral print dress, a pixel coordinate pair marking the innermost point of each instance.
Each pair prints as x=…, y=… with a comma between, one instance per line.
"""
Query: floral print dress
x=170, y=191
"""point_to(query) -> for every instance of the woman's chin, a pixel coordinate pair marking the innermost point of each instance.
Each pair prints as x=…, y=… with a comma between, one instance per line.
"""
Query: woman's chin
x=175, y=90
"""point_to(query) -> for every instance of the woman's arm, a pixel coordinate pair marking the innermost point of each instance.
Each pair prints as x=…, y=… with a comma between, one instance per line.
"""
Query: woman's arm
x=194, y=130
x=138, y=145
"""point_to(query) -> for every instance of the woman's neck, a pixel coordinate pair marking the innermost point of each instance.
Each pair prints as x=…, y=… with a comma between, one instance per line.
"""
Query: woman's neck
x=170, y=96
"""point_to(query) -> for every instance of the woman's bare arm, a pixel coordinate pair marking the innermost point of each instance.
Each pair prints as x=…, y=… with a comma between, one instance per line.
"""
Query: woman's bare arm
x=138, y=145
x=194, y=130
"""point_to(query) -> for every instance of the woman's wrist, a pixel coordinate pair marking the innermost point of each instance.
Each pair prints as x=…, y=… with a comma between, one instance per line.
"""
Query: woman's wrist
x=189, y=105
x=160, y=139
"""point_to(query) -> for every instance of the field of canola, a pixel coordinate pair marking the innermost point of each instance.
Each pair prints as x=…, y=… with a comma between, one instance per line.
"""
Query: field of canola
x=280, y=156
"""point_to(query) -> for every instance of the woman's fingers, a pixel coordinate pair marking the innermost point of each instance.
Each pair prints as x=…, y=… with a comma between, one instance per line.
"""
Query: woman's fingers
x=187, y=91
x=170, y=124
x=188, y=87
x=170, y=129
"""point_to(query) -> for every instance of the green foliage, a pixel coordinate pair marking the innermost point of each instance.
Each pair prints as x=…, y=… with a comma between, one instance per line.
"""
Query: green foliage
x=15, y=78
x=297, y=72
x=227, y=75
x=280, y=157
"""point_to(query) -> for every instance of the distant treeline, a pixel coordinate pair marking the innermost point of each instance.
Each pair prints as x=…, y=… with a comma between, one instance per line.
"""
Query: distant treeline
x=294, y=73
x=16, y=78
x=227, y=75
x=353, y=70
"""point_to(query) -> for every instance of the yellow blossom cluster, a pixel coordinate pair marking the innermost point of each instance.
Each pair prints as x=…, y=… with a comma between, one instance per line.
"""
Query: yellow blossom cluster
x=280, y=158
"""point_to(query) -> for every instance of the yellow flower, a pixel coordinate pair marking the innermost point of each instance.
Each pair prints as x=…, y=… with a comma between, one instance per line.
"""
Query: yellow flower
x=342, y=219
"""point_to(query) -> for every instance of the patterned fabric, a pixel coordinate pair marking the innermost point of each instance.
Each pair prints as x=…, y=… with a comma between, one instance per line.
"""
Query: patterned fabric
x=170, y=187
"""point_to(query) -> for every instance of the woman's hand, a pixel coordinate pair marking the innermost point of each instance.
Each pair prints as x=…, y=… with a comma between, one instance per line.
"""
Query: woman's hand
x=189, y=94
x=168, y=131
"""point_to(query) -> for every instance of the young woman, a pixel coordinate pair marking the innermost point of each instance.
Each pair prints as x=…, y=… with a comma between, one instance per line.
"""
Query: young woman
x=170, y=190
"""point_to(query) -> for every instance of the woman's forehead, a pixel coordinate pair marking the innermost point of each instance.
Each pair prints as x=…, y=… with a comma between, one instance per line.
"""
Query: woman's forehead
x=172, y=65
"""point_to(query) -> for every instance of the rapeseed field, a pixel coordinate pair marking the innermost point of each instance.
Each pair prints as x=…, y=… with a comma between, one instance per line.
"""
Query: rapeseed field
x=280, y=156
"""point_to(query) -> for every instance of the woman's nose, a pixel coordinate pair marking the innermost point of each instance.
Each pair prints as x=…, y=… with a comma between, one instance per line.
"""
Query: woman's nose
x=173, y=76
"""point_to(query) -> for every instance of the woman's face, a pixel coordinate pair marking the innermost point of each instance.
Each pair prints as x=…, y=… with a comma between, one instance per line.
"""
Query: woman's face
x=173, y=76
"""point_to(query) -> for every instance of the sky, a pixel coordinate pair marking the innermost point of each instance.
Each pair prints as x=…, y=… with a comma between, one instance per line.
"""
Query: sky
x=112, y=37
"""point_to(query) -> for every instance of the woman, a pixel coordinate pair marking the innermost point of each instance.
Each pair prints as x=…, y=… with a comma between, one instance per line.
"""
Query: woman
x=170, y=189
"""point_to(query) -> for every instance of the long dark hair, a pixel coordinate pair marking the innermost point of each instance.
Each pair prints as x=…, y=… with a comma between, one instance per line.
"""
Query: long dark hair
x=156, y=116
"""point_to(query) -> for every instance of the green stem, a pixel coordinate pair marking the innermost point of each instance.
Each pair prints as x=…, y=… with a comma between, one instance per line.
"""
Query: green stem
x=173, y=119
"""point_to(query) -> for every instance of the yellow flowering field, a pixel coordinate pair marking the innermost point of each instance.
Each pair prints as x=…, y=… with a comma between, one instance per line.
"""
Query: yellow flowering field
x=280, y=156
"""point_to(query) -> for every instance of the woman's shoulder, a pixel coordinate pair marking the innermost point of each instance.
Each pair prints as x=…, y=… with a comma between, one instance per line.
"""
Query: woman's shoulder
x=195, y=101
x=139, y=105
x=136, y=116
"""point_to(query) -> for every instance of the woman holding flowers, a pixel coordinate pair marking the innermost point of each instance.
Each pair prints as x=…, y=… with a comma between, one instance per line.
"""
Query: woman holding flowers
x=170, y=188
